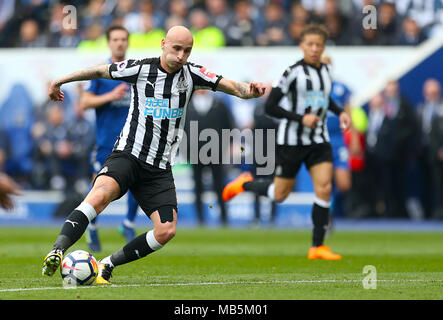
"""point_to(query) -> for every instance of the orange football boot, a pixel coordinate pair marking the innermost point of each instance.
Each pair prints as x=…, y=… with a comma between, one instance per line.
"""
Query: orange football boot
x=235, y=187
x=322, y=252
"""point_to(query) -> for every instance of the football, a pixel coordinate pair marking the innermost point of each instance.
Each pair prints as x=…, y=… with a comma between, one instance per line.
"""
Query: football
x=79, y=268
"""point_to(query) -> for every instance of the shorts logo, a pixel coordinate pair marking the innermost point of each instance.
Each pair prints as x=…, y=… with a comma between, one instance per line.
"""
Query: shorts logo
x=159, y=109
x=104, y=170
x=278, y=170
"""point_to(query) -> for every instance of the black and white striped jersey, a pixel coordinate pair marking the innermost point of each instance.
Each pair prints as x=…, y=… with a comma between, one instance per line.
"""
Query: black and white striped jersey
x=301, y=89
x=154, y=126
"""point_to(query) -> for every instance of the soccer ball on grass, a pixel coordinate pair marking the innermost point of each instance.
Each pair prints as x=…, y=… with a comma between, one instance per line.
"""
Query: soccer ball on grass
x=79, y=268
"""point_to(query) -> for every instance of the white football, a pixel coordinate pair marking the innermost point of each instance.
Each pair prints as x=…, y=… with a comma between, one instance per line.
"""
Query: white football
x=79, y=268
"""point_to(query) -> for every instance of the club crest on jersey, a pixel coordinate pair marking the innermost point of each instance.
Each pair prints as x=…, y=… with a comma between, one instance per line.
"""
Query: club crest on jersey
x=182, y=85
x=159, y=109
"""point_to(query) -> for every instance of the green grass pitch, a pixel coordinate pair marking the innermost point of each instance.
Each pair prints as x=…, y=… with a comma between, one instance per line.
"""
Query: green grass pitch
x=251, y=264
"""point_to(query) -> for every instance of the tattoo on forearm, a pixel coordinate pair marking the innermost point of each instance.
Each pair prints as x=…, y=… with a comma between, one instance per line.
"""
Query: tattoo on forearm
x=86, y=74
x=242, y=88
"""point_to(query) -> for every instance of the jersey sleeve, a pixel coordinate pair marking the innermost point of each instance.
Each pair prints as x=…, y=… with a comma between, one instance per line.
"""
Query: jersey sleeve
x=285, y=81
x=203, y=78
x=127, y=70
x=273, y=108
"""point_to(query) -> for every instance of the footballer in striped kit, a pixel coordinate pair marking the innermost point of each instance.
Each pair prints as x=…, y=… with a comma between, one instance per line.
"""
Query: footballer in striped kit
x=161, y=88
x=301, y=98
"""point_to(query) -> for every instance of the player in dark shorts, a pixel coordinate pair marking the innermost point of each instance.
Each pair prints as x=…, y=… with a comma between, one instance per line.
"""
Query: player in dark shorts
x=145, y=150
x=301, y=98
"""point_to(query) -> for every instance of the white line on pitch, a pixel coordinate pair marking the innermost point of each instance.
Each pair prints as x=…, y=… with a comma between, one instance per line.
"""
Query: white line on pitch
x=215, y=284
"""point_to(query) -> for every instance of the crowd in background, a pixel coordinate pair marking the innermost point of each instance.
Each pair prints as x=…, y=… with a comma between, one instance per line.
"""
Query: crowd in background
x=403, y=154
x=214, y=23
x=48, y=146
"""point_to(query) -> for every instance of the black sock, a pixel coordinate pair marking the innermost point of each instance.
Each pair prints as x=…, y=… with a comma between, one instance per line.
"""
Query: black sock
x=74, y=227
x=258, y=186
x=320, y=219
x=134, y=250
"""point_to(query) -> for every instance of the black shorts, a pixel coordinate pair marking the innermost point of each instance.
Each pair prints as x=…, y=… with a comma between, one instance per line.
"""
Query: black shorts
x=152, y=187
x=290, y=158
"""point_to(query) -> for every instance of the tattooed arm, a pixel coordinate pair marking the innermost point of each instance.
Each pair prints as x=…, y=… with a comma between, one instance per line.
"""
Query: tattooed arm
x=242, y=90
x=99, y=72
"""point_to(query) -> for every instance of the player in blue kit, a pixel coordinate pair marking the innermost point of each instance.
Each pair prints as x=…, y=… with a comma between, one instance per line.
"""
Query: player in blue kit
x=341, y=94
x=111, y=100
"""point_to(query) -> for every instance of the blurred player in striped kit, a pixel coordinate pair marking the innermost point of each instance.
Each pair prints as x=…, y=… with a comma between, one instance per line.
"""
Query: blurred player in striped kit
x=301, y=98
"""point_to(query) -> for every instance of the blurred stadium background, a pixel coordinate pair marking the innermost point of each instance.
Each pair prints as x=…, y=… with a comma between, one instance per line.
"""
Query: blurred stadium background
x=401, y=178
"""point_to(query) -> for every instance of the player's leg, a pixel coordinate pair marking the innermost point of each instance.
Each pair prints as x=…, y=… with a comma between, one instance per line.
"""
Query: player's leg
x=341, y=178
x=321, y=174
x=288, y=160
x=127, y=228
x=218, y=174
x=155, y=192
x=341, y=185
x=276, y=189
x=92, y=237
x=97, y=161
x=105, y=190
x=197, y=170
x=165, y=222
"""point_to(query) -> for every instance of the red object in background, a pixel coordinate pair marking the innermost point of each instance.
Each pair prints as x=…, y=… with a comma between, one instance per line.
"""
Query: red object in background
x=356, y=162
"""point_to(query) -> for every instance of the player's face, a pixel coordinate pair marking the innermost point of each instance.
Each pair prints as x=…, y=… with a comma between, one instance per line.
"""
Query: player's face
x=313, y=46
x=118, y=44
x=176, y=53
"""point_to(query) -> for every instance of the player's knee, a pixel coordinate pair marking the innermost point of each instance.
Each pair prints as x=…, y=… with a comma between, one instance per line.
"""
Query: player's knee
x=344, y=185
x=98, y=199
x=280, y=194
x=324, y=189
x=165, y=230
x=102, y=194
x=165, y=233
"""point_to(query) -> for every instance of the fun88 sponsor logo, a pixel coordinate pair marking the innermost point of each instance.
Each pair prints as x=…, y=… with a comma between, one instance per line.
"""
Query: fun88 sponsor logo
x=316, y=99
x=159, y=109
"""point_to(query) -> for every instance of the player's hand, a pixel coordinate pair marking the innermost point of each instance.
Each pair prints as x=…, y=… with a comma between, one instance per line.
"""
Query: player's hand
x=119, y=91
x=345, y=121
x=257, y=89
x=55, y=94
x=310, y=120
x=7, y=188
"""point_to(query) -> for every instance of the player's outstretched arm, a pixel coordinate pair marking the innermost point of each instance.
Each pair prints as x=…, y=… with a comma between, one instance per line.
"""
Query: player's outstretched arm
x=99, y=72
x=7, y=188
x=242, y=90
